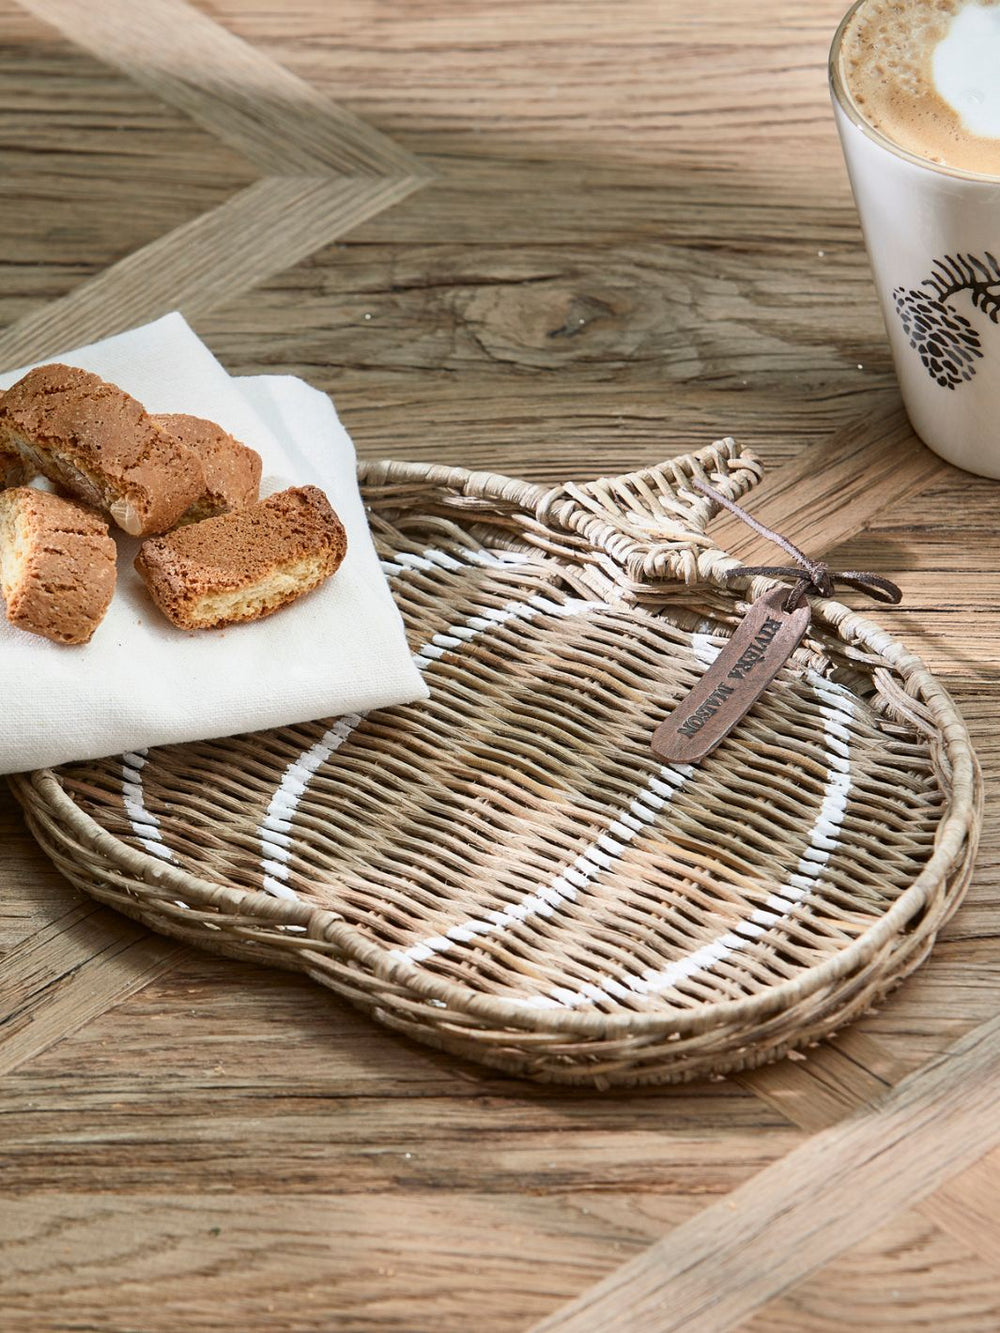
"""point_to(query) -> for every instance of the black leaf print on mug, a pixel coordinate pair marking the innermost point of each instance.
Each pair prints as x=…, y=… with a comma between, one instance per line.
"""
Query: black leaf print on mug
x=945, y=340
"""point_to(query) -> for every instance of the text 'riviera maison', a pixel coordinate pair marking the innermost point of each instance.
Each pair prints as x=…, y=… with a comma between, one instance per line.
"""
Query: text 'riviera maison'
x=746, y=663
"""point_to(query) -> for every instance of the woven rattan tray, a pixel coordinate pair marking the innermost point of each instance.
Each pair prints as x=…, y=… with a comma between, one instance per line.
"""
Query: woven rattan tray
x=505, y=871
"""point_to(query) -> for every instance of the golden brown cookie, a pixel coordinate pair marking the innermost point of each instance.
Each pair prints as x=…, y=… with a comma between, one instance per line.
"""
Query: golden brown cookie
x=246, y=564
x=57, y=565
x=100, y=444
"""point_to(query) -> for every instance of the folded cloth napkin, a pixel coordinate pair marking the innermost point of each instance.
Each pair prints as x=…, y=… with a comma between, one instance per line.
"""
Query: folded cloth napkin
x=140, y=681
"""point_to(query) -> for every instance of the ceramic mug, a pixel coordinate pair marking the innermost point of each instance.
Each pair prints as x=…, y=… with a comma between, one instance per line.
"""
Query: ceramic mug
x=933, y=238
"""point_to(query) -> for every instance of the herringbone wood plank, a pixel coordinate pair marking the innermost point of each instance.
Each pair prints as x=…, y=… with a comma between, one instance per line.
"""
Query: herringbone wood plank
x=908, y=1277
x=804, y=1211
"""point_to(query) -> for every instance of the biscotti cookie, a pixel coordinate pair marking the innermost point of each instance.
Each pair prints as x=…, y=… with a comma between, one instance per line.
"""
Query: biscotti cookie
x=246, y=564
x=57, y=565
x=232, y=470
x=99, y=443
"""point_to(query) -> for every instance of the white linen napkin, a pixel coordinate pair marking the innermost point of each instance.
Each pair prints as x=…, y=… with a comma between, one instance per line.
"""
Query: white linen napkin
x=140, y=681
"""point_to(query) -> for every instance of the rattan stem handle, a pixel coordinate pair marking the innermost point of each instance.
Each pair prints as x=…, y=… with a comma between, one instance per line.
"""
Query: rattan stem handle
x=652, y=522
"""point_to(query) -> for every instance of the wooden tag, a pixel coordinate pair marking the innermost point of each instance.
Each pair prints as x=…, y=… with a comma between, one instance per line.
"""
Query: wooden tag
x=762, y=643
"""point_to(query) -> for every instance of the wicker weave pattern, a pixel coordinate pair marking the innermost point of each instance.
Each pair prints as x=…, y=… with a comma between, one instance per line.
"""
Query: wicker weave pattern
x=505, y=871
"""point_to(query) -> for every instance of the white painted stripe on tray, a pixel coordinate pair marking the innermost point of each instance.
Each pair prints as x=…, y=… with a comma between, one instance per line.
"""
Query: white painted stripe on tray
x=566, y=886
x=600, y=855
x=433, y=559
x=492, y=617
x=144, y=823
x=273, y=831
x=823, y=840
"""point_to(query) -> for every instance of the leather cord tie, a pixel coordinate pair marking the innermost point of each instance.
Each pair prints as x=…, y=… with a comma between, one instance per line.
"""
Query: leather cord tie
x=810, y=575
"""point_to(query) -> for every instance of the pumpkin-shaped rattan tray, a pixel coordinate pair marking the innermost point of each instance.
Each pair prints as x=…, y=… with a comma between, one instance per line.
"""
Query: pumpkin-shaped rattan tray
x=505, y=871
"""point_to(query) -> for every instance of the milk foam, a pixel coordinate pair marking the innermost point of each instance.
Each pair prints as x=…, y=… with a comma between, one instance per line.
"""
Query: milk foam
x=966, y=69
x=926, y=73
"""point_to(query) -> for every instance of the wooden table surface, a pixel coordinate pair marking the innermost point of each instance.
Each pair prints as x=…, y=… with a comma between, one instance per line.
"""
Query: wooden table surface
x=555, y=238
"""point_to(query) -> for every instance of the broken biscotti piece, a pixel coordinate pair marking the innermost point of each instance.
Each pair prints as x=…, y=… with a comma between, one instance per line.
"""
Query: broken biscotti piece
x=246, y=564
x=99, y=443
x=232, y=470
x=57, y=565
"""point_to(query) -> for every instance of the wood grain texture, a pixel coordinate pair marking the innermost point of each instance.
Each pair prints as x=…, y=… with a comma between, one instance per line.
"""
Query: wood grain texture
x=398, y=1186
x=263, y=228
x=326, y=172
x=280, y=123
x=312, y=1262
x=578, y=80
x=966, y=1208
x=868, y=467
x=69, y=972
x=34, y=893
x=844, y=1183
x=907, y=1277
x=134, y=169
x=639, y=237
x=321, y=1100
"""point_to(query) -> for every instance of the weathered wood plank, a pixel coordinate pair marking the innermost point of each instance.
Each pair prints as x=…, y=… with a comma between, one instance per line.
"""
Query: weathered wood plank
x=828, y=1083
x=312, y=1262
x=843, y=1184
x=871, y=465
x=73, y=969
x=949, y=595
x=908, y=1276
x=279, y=122
x=265, y=227
x=33, y=894
x=132, y=169
x=220, y=1139
x=647, y=311
x=966, y=1207
x=226, y=1060
x=587, y=81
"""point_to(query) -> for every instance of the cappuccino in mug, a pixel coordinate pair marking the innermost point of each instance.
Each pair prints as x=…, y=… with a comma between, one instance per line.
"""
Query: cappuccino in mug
x=916, y=93
x=926, y=74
